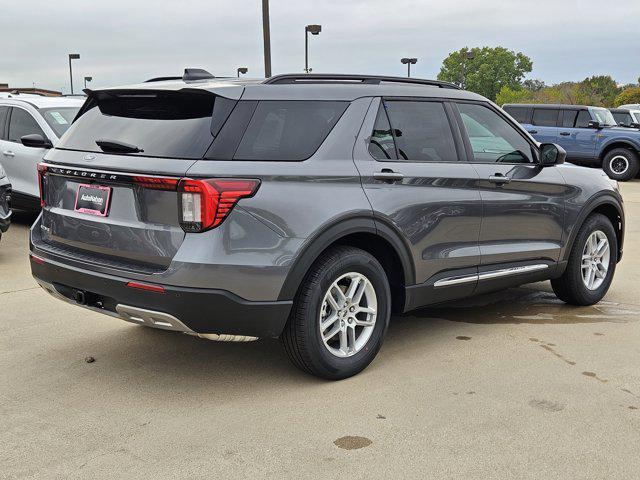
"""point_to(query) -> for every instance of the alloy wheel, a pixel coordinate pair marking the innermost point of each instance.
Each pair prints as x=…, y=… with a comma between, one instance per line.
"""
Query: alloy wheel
x=596, y=256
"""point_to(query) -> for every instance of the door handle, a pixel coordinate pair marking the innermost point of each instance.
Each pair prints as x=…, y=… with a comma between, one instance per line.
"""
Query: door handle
x=532, y=132
x=388, y=175
x=8, y=153
x=499, y=179
x=565, y=134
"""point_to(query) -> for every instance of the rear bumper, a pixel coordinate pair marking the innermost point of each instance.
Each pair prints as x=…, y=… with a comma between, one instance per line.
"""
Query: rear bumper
x=191, y=310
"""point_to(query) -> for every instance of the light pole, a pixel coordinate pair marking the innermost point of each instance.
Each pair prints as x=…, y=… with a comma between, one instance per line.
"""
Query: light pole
x=408, y=62
x=313, y=30
x=242, y=70
x=266, y=36
x=87, y=79
x=469, y=55
x=72, y=56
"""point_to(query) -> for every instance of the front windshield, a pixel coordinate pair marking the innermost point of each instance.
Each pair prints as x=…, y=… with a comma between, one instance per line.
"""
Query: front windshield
x=59, y=119
x=604, y=116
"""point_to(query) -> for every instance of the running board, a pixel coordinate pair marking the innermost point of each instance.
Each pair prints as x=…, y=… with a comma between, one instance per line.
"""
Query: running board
x=504, y=272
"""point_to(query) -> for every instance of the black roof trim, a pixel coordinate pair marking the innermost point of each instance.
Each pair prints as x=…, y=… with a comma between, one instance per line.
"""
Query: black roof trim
x=162, y=79
x=554, y=106
x=294, y=78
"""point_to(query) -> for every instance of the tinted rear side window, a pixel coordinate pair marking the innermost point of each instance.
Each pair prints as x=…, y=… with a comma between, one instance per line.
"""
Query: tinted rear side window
x=520, y=114
x=422, y=131
x=544, y=117
x=288, y=130
x=381, y=145
x=4, y=111
x=569, y=118
x=162, y=124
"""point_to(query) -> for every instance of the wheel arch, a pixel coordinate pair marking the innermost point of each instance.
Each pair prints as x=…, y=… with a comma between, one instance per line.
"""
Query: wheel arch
x=626, y=144
x=607, y=205
x=377, y=238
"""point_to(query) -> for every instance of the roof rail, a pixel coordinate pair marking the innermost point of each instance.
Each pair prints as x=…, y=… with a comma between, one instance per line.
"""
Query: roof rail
x=293, y=78
x=162, y=79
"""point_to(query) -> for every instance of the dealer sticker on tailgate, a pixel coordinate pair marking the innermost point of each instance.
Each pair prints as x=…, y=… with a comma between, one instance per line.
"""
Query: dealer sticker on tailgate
x=93, y=199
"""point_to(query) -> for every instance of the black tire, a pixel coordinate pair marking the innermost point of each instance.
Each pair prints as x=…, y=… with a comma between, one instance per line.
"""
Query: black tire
x=570, y=287
x=621, y=164
x=301, y=337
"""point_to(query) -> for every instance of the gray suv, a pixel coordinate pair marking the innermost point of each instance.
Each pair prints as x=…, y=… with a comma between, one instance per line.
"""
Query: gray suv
x=309, y=208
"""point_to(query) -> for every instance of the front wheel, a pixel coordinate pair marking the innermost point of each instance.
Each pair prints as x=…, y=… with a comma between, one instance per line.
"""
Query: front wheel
x=340, y=315
x=621, y=164
x=592, y=263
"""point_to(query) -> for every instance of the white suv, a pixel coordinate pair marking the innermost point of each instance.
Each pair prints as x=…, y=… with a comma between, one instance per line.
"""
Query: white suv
x=42, y=120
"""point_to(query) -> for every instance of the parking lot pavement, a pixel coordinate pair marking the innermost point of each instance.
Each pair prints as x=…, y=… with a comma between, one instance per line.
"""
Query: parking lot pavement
x=510, y=385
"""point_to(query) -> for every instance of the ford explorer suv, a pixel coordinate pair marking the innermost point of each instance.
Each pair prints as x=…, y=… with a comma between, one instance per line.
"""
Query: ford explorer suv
x=589, y=135
x=29, y=126
x=309, y=208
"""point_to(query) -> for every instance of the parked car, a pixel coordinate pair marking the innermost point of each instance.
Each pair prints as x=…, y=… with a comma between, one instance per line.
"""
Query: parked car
x=590, y=136
x=631, y=106
x=626, y=117
x=29, y=126
x=310, y=207
x=5, y=202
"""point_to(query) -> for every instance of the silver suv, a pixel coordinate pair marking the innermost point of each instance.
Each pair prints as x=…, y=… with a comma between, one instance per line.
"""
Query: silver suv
x=309, y=208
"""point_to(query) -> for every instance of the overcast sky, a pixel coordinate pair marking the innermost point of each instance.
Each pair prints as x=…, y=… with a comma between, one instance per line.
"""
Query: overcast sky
x=128, y=41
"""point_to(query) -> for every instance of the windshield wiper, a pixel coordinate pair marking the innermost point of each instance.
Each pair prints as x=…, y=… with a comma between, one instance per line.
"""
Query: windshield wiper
x=116, y=146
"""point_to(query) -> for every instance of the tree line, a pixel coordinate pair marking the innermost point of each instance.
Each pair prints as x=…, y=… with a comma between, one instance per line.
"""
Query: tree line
x=499, y=74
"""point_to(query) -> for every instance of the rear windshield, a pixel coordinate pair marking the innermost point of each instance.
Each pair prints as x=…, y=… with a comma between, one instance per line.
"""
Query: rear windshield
x=159, y=124
x=288, y=130
x=59, y=119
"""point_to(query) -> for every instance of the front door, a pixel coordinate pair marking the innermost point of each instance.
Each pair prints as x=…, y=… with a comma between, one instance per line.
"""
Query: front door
x=411, y=160
x=21, y=162
x=576, y=137
x=523, y=203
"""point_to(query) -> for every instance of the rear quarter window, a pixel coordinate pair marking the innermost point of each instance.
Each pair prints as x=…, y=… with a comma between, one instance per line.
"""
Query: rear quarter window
x=288, y=130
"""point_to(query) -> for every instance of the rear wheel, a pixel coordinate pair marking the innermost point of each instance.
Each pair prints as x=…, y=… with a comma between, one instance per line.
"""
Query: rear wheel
x=621, y=164
x=592, y=263
x=340, y=315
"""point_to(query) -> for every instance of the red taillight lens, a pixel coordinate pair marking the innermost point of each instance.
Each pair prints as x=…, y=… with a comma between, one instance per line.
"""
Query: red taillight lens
x=42, y=170
x=204, y=204
x=156, y=183
x=146, y=287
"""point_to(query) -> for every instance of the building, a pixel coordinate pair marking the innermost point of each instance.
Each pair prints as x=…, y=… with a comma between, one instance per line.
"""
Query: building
x=4, y=87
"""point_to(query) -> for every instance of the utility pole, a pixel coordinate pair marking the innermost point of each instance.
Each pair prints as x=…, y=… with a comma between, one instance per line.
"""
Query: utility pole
x=266, y=34
x=72, y=56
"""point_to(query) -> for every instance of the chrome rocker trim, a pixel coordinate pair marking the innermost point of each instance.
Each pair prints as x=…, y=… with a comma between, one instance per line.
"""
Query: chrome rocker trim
x=504, y=272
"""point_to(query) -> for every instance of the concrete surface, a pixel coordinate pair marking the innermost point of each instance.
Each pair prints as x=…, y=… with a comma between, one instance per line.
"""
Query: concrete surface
x=512, y=385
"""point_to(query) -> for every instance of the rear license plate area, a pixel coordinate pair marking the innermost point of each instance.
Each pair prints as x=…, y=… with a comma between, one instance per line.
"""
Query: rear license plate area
x=93, y=200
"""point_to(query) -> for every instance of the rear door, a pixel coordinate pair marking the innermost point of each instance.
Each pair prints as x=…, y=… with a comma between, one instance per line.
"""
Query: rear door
x=545, y=124
x=19, y=161
x=523, y=204
x=410, y=157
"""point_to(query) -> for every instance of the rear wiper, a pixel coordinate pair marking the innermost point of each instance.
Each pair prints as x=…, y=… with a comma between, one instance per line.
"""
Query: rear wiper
x=117, y=146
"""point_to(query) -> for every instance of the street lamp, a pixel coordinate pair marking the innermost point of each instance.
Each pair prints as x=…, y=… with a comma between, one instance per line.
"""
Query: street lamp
x=313, y=30
x=469, y=55
x=408, y=62
x=242, y=70
x=87, y=79
x=266, y=38
x=72, y=56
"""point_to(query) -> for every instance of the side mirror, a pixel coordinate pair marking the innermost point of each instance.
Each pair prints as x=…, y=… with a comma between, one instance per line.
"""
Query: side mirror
x=552, y=154
x=594, y=124
x=36, y=140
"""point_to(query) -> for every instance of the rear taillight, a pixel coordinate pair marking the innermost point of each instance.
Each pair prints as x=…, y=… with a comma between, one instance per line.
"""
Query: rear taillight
x=42, y=170
x=204, y=204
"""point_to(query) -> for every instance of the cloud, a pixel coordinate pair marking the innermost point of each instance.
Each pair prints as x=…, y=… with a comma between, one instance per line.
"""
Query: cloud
x=128, y=41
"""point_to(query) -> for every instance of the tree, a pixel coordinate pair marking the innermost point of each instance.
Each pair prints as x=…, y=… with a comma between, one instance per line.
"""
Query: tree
x=628, y=95
x=533, y=85
x=599, y=90
x=487, y=71
x=510, y=95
